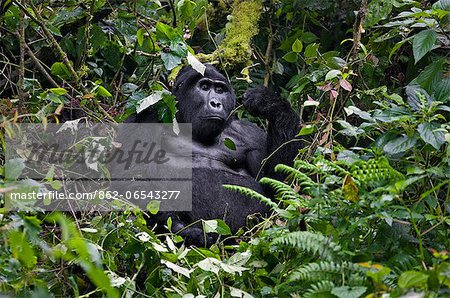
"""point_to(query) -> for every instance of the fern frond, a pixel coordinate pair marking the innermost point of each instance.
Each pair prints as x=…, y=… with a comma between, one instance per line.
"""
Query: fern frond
x=325, y=270
x=374, y=172
x=320, y=289
x=402, y=262
x=314, y=243
x=307, y=167
x=252, y=194
x=330, y=166
x=301, y=179
x=282, y=189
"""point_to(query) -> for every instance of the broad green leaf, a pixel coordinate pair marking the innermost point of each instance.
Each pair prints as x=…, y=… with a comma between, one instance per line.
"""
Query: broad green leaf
x=59, y=69
x=149, y=101
x=332, y=74
x=423, y=42
x=291, y=57
x=129, y=88
x=430, y=76
x=13, y=168
x=349, y=130
x=210, y=264
x=410, y=279
x=176, y=268
x=311, y=50
x=377, y=10
x=58, y=91
x=306, y=130
x=140, y=36
x=216, y=226
x=417, y=97
x=165, y=33
x=348, y=292
x=398, y=45
x=229, y=144
x=153, y=206
x=442, y=4
x=308, y=37
x=21, y=249
x=430, y=133
x=170, y=60
x=399, y=145
x=55, y=184
x=101, y=91
x=297, y=46
x=442, y=91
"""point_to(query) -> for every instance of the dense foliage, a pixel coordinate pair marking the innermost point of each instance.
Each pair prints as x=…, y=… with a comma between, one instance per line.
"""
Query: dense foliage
x=365, y=210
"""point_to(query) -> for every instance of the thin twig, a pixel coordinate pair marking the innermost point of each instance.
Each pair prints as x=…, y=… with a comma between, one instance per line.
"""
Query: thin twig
x=357, y=27
x=268, y=54
x=22, y=61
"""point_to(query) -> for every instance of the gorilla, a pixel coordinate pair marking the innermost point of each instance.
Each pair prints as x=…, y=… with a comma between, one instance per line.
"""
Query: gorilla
x=207, y=101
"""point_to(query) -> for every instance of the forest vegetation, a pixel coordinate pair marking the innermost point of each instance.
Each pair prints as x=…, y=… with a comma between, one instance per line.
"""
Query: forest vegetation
x=365, y=210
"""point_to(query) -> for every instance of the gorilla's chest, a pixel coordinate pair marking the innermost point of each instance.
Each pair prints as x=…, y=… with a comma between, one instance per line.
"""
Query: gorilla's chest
x=227, y=153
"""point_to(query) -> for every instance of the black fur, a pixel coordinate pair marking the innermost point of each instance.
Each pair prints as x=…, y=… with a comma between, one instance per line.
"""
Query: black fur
x=207, y=102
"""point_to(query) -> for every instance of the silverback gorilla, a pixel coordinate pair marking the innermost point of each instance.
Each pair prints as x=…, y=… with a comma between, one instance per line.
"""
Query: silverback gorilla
x=207, y=102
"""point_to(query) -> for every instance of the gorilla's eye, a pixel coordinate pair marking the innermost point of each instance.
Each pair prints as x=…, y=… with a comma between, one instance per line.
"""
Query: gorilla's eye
x=219, y=89
x=204, y=86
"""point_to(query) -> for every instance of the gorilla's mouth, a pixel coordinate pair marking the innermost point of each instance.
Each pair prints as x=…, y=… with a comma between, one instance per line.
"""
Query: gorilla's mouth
x=214, y=118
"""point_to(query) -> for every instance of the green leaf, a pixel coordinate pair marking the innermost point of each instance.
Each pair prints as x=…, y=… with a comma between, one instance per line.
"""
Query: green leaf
x=165, y=33
x=140, y=36
x=442, y=4
x=430, y=76
x=229, y=144
x=430, y=133
x=398, y=45
x=291, y=57
x=423, y=42
x=332, y=74
x=170, y=60
x=149, y=101
x=416, y=97
x=410, y=279
x=55, y=184
x=101, y=91
x=216, y=226
x=21, y=249
x=58, y=91
x=377, y=10
x=13, y=168
x=59, y=69
x=311, y=51
x=400, y=145
x=348, y=292
x=297, y=46
x=153, y=206
x=442, y=91
x=306, y=130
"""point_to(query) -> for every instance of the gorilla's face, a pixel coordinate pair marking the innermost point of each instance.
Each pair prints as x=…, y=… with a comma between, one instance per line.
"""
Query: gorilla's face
x=206, y=104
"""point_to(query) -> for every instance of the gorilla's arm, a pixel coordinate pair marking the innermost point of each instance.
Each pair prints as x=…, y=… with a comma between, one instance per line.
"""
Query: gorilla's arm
x=283, y=127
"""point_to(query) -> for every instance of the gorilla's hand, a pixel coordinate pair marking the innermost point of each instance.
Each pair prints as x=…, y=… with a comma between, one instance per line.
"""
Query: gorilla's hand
x=262, y=101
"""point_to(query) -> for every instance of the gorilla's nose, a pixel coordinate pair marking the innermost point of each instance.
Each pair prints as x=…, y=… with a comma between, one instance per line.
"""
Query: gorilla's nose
x=215, y=104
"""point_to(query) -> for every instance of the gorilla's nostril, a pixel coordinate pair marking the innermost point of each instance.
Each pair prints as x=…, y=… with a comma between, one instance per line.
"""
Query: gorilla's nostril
x=215, y=104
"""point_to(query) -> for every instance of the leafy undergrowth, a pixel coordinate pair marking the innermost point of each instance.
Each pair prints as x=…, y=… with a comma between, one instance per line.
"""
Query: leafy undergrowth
x=364, y=210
